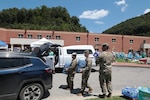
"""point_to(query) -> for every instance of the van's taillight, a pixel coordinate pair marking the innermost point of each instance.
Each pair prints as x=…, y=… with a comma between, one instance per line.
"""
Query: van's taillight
x=48, y=70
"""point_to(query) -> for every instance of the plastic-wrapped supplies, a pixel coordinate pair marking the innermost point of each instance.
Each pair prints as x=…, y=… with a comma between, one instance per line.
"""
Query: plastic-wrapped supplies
x=67, y=65
x=130, y=92
x=81, y=64
x=130, y=55
x=144, y=93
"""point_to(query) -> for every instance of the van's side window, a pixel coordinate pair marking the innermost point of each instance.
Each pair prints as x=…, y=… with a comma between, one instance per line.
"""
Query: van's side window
x=78, y=51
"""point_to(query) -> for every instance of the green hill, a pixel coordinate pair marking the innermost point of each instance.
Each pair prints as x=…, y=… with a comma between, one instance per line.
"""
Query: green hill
x=40, y=18
x=138, y=26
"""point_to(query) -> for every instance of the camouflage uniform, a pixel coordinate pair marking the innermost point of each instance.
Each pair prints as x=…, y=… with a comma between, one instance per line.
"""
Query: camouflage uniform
x=85, y=75
x=105, y=61
x=71, y=72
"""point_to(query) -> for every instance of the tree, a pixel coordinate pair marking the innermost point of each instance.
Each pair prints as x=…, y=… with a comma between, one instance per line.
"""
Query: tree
x=139, y=26
x=55, y=18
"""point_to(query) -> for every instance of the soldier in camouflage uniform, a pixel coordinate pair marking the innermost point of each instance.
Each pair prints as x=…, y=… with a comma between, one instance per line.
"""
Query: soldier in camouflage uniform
x=105, y=62
x=86, y=73
x=71, y=72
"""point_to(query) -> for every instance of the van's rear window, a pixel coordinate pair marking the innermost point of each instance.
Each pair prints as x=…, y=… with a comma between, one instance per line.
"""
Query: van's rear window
x=78, y=51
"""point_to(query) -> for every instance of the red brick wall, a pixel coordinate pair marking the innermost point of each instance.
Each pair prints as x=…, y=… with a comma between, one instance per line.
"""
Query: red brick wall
x=3, y=35
x=122, y=41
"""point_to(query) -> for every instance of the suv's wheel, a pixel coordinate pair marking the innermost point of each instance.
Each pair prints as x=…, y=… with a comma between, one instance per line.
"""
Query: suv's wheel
x=31, y=92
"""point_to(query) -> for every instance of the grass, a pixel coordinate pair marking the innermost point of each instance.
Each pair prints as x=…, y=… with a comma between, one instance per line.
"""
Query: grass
x=120, y=60
x=123, y=60
x=113, y=98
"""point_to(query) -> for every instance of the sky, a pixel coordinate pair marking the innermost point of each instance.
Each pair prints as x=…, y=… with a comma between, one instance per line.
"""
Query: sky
x=96, y=15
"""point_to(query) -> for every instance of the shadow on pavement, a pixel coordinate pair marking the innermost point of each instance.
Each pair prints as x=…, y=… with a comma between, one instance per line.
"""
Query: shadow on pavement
x=60, y=70
x=76, y=91
x=63, y=87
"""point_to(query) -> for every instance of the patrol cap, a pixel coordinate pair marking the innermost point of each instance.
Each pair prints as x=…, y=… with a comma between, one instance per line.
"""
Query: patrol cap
x=86, y=51
x=74, y=53
x=105, y=44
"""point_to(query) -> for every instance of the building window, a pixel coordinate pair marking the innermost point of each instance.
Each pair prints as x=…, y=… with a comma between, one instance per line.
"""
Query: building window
x=29, y=36
x=39, y=36
x=77, y=38
x=131, y=41
x=48, y=36
x=57, y=37
x=20, y=35
x=113, y=40
x=96, y=39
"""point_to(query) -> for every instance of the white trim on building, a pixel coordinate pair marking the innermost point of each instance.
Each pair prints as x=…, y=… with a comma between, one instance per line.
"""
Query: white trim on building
x=24, y=41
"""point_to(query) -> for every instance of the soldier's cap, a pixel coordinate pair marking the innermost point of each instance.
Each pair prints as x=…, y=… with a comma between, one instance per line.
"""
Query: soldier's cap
x=86, y=51
x=74, y=53
x=105, y=44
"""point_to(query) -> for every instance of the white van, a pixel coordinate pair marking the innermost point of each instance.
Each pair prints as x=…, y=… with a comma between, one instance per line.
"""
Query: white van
x=63, y=54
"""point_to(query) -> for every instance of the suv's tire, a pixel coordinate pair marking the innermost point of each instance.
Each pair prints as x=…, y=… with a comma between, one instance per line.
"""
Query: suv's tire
x=31, y=92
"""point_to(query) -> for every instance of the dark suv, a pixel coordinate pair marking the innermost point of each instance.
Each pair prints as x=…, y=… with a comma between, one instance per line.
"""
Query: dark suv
x=23, y=77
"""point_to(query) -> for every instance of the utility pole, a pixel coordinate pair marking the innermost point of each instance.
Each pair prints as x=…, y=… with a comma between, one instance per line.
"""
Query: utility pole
x=53, y=34
x=87, y=38
x=122, y=43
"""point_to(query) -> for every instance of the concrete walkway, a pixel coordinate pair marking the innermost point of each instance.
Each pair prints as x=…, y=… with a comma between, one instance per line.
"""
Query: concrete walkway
x=121, y=77
x=130, y=64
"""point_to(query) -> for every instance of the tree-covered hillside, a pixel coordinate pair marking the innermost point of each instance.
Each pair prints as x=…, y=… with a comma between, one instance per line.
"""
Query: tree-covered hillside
x=40, y=18
x=138, y=26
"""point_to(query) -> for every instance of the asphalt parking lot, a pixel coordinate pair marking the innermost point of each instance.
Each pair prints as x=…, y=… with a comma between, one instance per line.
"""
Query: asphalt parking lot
x=121, y=77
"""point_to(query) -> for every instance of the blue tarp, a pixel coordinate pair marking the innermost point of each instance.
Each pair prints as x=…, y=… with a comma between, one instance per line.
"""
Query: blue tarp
x=122, y=55
x=3, y=43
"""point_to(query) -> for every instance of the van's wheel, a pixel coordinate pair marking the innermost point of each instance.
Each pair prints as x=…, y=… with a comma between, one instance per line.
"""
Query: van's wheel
x=31, y=92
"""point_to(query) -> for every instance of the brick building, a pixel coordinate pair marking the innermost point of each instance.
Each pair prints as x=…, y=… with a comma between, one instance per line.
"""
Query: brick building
x=121, y=43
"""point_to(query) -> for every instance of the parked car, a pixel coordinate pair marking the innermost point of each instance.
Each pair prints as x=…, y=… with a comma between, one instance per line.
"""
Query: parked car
x=23, y=77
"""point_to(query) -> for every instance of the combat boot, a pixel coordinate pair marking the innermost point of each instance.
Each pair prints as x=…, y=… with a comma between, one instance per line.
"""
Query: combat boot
x=109, y=95
x=80, y=93
x=90, y=90
x=102, y=96
x=67, y=87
